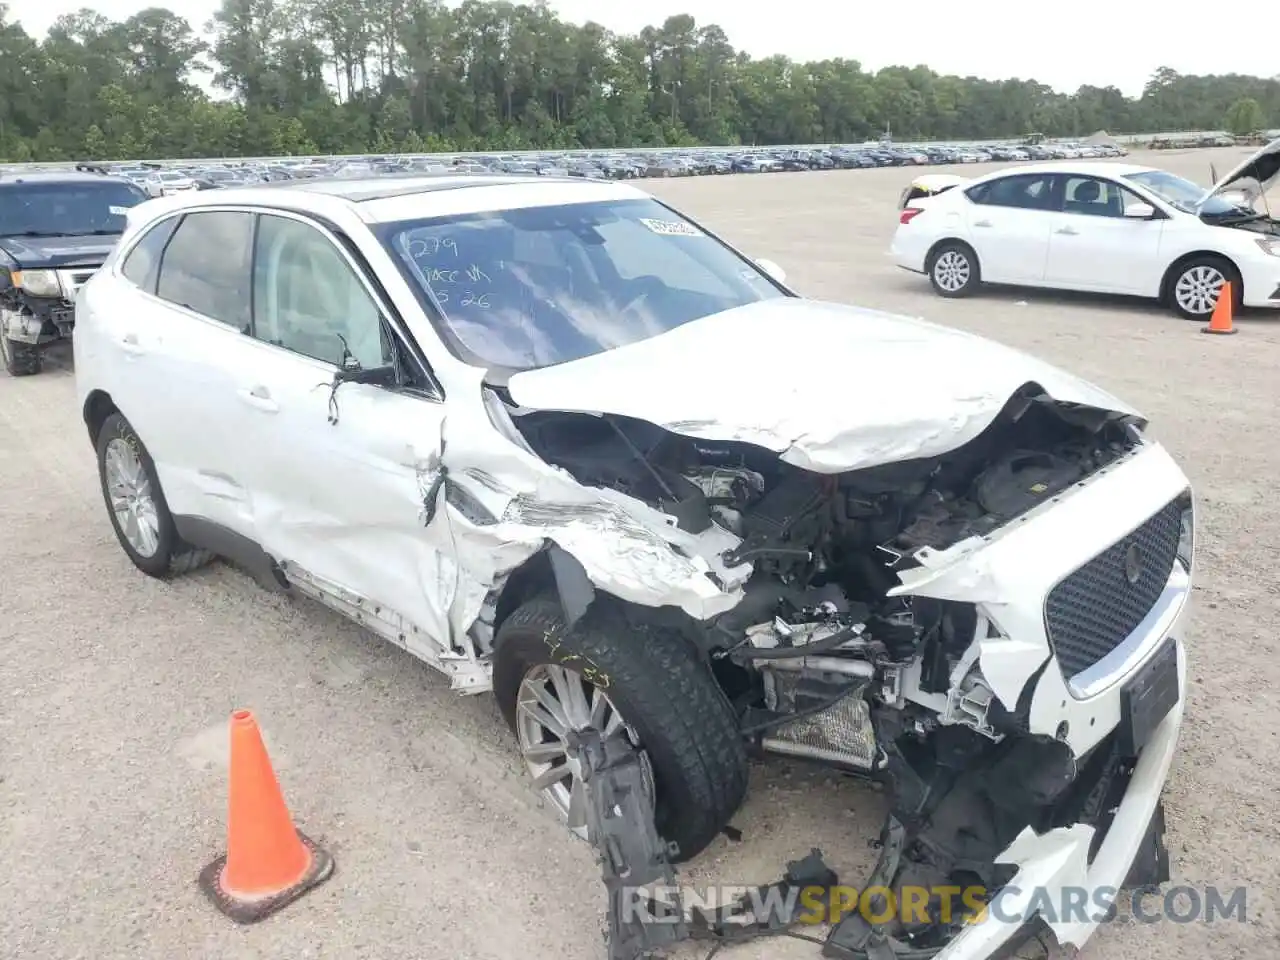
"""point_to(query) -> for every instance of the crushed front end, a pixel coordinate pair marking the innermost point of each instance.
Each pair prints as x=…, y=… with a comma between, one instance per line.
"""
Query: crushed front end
x=37, y=307
x=995, y=633
x=1020, y=689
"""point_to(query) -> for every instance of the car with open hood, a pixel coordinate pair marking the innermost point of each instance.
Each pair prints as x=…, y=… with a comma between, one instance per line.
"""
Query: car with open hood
x=928, y=185
x=1104, y=227
x=566, y=446
x=56, y=229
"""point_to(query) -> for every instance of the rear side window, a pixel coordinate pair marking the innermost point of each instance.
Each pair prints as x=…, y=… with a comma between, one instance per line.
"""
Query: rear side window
x=205, y=267
x=1031, y=191
x=142, y=265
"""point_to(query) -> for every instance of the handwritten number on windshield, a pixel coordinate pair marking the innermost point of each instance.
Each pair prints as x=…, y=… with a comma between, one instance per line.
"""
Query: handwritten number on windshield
x=430, y=246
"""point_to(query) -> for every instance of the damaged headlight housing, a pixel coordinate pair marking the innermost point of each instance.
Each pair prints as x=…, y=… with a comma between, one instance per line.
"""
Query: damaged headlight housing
x=38, y=283
x=1187, y=531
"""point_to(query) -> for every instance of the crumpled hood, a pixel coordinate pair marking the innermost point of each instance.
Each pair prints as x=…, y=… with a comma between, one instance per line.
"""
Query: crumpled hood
x=37, y=252
x=1254, y=176
x=828, y=387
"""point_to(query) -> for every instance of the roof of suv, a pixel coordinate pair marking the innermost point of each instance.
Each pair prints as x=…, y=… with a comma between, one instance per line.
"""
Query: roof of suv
x=359, y=190
x=413, y=197
x=57, y=176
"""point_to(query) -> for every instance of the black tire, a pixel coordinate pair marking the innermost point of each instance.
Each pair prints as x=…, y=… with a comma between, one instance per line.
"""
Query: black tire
x=959, y=256
x=663, y=689
x=173, y=556
x=1220, y=265
x=20, y=359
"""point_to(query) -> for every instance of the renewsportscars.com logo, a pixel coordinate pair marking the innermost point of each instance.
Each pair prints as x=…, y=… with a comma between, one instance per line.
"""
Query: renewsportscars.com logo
x=923, y=905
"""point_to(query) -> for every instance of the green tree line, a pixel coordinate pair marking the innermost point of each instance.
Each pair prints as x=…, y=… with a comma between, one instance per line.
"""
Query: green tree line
x=350, y=76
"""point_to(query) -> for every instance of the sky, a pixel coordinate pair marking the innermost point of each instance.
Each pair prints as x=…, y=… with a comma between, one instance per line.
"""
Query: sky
x=1118, y=44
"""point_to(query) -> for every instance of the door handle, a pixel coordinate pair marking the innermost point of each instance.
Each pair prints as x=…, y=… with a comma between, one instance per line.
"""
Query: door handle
x=259, y=398
x=129, y=344
x=982, y=223
x=1068, y=231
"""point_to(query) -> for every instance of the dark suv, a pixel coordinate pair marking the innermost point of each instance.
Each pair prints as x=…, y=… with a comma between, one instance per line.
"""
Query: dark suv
x=56, y=228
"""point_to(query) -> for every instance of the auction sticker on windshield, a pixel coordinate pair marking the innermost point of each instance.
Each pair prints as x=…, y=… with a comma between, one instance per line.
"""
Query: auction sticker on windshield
x=671, y=228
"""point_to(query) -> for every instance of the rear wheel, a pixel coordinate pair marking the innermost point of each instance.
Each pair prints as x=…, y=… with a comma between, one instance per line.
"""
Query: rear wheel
x=136, y=504
x=607, y=673
x=953, y=270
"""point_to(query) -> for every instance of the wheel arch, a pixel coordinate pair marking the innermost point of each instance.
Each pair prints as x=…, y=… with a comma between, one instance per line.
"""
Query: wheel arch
x=98, y=405
x=1166, y=282
x=552, y=571
x=556, y=573
x=951, y=241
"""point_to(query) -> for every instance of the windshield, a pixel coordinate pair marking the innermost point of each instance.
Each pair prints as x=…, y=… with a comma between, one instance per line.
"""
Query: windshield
x=66, y=209
x=520, y=289
x=1182, y=193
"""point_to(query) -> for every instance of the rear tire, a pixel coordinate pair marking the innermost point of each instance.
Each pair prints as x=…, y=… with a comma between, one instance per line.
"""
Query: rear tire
x=157, y=551
x=953, y=270
x=663, y=691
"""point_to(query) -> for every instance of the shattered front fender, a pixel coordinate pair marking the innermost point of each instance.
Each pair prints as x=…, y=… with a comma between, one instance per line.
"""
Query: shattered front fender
x=504, y=504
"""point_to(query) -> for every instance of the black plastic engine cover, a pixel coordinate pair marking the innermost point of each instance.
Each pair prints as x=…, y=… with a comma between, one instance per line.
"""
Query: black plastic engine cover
x=1023, y=479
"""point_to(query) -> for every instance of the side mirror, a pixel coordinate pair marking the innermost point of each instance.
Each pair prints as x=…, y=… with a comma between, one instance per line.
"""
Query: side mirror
x=377, y=376
x=1139, y=211
x=772, y=270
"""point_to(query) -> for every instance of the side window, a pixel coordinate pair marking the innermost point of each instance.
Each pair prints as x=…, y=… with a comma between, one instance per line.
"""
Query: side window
x=142, y=265
x=1091, y=196
x=1028, y=191
x=308, y=299
x=205, y=265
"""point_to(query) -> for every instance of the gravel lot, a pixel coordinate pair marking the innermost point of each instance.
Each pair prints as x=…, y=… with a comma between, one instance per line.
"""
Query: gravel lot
x=116, y=688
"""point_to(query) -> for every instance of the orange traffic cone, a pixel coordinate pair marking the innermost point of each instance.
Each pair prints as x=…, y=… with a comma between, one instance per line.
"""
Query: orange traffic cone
x=1221, y=321
x=268, y=863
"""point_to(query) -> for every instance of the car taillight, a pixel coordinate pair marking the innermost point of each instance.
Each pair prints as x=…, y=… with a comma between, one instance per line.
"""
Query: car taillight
x=909, y=213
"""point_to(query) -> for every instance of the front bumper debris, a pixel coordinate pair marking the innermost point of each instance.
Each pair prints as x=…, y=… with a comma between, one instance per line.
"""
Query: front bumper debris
x=1106, y=833
x=633, y=858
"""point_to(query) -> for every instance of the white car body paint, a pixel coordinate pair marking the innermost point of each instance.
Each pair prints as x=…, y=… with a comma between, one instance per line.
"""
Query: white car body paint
x=358, y=538
x=1099, y=254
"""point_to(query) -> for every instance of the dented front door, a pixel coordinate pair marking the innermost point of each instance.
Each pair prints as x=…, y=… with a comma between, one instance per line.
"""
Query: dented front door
x=339, y=481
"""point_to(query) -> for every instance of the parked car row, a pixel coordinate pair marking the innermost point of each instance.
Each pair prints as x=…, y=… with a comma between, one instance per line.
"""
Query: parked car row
x=164, y=180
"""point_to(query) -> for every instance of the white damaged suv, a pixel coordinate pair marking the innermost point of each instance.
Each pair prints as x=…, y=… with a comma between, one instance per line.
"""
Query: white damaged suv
x=563, y=444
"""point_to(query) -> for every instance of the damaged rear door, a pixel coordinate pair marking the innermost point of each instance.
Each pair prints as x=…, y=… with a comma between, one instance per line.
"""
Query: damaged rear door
x=341, y=475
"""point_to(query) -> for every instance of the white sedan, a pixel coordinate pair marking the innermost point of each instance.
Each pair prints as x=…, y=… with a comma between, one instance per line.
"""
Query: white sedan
x=1102, y=227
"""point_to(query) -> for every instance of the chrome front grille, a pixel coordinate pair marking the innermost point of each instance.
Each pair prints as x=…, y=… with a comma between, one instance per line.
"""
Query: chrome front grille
x=1094, y=609
x=73, y=280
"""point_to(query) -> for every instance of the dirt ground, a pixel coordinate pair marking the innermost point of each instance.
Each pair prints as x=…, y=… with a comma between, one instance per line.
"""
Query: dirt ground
x=115, y=689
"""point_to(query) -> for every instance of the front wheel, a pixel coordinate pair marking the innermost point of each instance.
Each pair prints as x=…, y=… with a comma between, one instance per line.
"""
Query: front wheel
x=610, y=672
x=20, y=359
x=1194, y=287
x=953, y=270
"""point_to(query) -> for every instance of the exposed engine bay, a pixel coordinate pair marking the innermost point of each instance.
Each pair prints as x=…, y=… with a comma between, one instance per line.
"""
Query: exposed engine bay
x=1244, y=218
x=822, y=664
